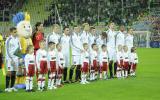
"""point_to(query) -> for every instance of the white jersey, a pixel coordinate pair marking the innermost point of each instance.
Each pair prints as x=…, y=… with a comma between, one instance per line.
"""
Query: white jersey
x=53, y=37
x=119, y=57
x=125, y=56
x=60, y=59
x=120, y=39
x=133, y=58
x=111, y=38
x=93, y=56
x=65, y=42
x=103, y=57
x=84, y=57
x=100, y=42
x=92, y=39
x=41, y=55
x=12, y=44
x=129, y=41
x=84, y=37
x=51, y=55
x=76, y=44
x=29, y=59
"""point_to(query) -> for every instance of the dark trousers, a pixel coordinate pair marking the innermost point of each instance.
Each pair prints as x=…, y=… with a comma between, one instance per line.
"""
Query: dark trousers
x=65, y=73
x=12, y=78
x=71, y=72
x=78, y=72
x=111, y=68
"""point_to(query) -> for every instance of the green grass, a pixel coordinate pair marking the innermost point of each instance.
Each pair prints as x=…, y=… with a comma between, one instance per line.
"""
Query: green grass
x=146, y=86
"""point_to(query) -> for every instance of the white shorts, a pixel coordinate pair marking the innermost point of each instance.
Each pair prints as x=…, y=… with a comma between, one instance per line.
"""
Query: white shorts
x=76, y=59
x=111, y=54
x=9, y=64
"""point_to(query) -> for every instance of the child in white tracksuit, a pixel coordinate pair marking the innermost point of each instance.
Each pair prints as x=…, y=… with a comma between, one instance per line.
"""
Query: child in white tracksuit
x=133, y=59
x=30, y=68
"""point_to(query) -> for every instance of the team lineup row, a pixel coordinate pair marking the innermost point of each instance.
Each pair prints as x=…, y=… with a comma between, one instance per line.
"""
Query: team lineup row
x=91, y=55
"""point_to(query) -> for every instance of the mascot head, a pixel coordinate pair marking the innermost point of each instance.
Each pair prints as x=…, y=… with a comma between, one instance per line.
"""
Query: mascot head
x=22, y=22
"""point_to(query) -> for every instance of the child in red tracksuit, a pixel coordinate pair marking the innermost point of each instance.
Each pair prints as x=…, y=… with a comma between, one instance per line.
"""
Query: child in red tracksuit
x=119, y=57
x=103, y=58
x=51, y=55
x=60, y=64
x=41, y=62
x=94, y=62
x=30, y=68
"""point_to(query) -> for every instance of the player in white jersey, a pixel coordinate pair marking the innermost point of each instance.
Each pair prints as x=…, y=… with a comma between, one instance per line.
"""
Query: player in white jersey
x=103, y=59
x=92, y=37
x=54, y=36
x=85, y=33
x=30, y=68
x=52, y=64
x=133, y=59
x=120, y=37
x=102, y=39
x=111, y=46
x=65, y=42
x=85, y=64
x=77, y=48
x=41, y=63
x=12, y=44
x=129, y=39
x=129, y=42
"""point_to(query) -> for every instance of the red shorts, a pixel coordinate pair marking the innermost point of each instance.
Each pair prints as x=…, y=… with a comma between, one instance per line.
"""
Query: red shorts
x=95, y=65
x=85, y=67
x=133, y=66
x=60, y=70
x=43, y=67
x=126, y=65
x=53, y=66
x=121, y=64
x=104, y=66
x=31, y=70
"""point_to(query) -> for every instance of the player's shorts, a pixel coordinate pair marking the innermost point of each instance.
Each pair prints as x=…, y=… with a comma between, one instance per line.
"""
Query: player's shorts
x=111, y=54
x=95, y=65
x=60, y=70
x=76, y=59
x=31, y=70
x=85, y=67
x=104, y=66
x=53, y=66
x=133, y=66
x=12, y=66
x=43, y=67
x=126, y=65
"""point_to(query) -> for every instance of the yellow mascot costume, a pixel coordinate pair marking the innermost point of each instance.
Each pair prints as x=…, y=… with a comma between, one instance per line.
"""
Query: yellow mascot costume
x=24, y=31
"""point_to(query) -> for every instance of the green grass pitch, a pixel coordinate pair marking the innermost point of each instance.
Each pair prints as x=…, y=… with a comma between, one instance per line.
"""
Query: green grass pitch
x=146, y=86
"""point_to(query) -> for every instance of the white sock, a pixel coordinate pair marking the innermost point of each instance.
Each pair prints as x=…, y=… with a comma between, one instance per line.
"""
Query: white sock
x=27, y=83
x=93, y=75
x=126, y=73
x=82, y=78
x=49, y=82
x=59, y=81
x=100, y=76
x=43, y=82
x=105, y=74
x=122, y=72
x=31, y=83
